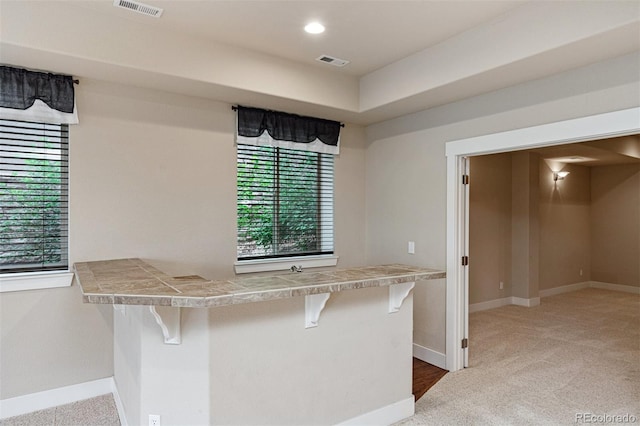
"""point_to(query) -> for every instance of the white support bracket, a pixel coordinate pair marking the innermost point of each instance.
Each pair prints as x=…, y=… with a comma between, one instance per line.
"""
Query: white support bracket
x=313, y=305
x=397, y=294
x=168, y=318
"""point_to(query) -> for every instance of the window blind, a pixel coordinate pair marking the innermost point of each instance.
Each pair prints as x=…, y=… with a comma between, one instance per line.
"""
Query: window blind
x=285, y=202
x=33, y=196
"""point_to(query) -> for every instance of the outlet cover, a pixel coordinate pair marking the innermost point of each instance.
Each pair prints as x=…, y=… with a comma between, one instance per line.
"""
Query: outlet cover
x=154, y=420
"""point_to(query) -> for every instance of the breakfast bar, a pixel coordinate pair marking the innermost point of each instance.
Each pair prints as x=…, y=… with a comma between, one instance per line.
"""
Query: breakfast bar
x=199, y=351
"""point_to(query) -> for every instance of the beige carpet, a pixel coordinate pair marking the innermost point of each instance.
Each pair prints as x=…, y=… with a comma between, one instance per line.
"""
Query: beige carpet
x=576, y=354
x=98, y=411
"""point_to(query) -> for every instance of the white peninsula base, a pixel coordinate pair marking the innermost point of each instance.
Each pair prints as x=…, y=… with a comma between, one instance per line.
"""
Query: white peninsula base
x=257, y=363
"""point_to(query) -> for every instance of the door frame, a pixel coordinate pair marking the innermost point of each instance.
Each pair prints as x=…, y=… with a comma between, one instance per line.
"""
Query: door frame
x=600, y=126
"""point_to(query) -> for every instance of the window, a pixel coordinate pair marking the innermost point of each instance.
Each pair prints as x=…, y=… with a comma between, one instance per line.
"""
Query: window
x=33, y=196
x=285, y=202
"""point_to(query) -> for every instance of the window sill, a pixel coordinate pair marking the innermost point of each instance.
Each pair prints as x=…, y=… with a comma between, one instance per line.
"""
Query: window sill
x=35, y=280
x=284, y=263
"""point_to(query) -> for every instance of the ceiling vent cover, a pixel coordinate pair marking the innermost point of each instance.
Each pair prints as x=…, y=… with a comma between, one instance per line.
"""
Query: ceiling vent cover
x=136, y=6
x=332, y=60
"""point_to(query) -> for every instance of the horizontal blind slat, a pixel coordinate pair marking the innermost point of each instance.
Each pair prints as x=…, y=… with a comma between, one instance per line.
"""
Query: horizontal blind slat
x=285, y=202
x=33, y=196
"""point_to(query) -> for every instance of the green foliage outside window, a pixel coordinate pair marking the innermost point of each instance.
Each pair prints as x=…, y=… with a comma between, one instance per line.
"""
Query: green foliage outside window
x=32, y=215
x=279, y=200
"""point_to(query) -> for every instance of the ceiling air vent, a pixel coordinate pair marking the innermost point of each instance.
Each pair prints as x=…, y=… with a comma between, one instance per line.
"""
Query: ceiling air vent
x=136, y=6
x=332, y=60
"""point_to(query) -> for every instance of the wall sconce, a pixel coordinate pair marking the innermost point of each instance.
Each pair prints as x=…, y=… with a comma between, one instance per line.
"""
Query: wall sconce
x=559, y=176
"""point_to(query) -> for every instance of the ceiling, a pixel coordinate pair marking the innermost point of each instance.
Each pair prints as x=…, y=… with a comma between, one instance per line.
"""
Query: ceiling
x=405, y=56
x=603, y=152
x=369, y=34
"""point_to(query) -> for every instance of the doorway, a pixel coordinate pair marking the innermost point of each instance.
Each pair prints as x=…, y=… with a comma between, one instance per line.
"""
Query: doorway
x=618, y=123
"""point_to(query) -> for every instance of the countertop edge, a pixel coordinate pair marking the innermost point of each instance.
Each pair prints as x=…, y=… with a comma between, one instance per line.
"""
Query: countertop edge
x=240, y=295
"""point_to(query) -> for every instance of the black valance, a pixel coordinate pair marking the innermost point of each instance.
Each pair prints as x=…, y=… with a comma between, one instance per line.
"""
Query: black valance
x=253, y=122
x=19, y=89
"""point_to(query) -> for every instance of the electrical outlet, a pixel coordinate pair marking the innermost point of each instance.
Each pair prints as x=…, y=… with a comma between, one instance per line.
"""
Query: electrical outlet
x=154, y=420
x=580, y=272
x=411, y=247
x=501, y=285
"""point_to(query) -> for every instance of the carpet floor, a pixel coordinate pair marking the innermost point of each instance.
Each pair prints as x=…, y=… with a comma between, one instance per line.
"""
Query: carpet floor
x=98, y=411
x=572, y=360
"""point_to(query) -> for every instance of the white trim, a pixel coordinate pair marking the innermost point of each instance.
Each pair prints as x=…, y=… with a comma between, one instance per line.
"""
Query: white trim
x=505, y=301
x=527, y=303
x=455, y=282
x=615, y=287
x=429, y=355
x=60, y=396
x=119, y=404
x=387, y=415
x=35, y=280
x=535, y=301
x=284, y=263
x=616, y=123
x=489, y=304
x=563, y=289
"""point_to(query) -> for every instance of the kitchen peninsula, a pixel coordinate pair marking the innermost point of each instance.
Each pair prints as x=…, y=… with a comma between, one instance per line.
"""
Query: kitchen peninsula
x=287, y=348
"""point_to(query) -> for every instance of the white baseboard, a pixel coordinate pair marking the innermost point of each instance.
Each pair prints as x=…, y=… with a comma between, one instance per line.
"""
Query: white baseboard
x=564, y=289
x=535, y=301
x=528, y=303
x=52, y=398
x=497, y=303
x=490, y=304
x=615, y=287
x=388, y=415
x=429, y=355
x=119, y=406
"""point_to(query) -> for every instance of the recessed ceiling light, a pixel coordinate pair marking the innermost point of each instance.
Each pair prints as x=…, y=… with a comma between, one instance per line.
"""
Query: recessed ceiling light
x=314, y=28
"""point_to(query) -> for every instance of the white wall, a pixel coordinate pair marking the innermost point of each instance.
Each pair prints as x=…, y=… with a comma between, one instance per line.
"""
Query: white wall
x=152, y=176
x=49, y=339
x=357, y=360
x=406, y=165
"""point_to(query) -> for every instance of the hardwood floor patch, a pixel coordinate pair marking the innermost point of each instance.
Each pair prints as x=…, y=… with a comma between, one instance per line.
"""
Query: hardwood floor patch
x=425, y=375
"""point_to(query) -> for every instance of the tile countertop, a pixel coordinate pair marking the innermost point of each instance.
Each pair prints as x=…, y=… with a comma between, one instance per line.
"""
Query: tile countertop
x=134, y=282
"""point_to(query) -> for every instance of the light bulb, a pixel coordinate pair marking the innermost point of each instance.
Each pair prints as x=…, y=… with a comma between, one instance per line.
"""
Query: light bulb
x=314, y=28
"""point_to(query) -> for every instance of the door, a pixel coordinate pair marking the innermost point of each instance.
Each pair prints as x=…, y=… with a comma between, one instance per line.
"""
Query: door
x=465, y=258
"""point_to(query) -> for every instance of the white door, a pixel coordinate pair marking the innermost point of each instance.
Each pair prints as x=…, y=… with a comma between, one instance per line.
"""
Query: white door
x=465, y=182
